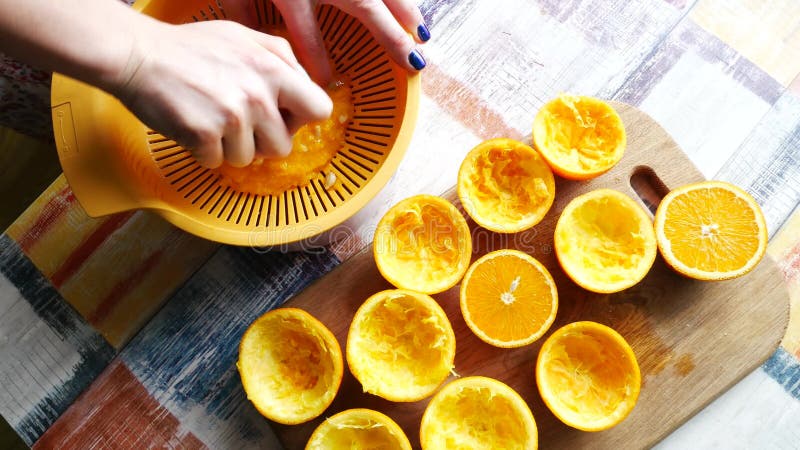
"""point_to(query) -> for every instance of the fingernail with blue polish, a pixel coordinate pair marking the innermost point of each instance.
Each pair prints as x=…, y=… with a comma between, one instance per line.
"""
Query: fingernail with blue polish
x=416, y=60
x=423, y=33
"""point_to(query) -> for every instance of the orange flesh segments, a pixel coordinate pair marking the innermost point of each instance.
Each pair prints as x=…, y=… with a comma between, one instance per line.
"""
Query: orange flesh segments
x=711, y=230
x=508, y=298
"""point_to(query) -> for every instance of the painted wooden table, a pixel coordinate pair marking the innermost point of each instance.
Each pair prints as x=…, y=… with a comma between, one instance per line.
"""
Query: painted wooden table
x=122, y=331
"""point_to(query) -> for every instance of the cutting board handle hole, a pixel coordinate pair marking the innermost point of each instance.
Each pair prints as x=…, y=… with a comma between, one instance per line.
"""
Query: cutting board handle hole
x=648, y=186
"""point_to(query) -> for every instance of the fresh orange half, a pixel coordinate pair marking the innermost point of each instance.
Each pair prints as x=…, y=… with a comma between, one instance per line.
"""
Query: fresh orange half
x=580, y=137
x=423, y=243
x=508, y=298
x=291, y=365
x=358, y=429
x=478, y=413
x=505, y=185
x=711, y=230
x=605, y=241
x=588, y=376
x=400, y=345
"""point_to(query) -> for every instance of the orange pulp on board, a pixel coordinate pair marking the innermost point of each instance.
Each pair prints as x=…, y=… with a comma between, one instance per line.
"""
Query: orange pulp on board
x=313, y=147
x=423, y=243
x=505, y=185
x=508, y=298
x=400, y=345
x=358, y=429
x=605, y=241
x=711, y=230
x=478, y=413
x=588, y=376
x=291, y=365
x=580, y=137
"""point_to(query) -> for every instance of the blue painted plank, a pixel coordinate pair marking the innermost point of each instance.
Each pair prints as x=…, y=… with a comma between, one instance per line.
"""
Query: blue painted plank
x=785, y=369
x=48, y=353
x=186, y=355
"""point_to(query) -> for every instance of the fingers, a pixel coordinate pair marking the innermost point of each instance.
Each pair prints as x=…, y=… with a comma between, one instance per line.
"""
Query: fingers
x=208, y=153
x=305, y=34
x=379, y=19
x=277, y=45
x=238, y=142
x=295, y=101
x=243, y=12
x=410, y=18
x=262, y=118
x=303, y=99
x=293, y=123
x=299, y=101
x=272, y=138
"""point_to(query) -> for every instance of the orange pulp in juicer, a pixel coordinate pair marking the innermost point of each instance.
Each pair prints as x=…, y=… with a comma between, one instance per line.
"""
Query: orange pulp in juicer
x=313, y=147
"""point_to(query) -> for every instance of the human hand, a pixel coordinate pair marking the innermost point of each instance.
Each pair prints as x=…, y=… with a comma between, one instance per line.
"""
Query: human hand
x=390, y=21
x=220, y=89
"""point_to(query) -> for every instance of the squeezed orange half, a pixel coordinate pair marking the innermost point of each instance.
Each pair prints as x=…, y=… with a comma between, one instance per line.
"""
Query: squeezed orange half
x=313, y=147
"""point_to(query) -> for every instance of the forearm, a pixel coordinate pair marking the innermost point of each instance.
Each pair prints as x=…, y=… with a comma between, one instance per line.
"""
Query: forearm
x=91, y=40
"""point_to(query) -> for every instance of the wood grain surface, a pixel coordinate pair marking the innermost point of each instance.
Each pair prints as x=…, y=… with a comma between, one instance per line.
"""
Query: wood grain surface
x=692, y=339
x=731, y=102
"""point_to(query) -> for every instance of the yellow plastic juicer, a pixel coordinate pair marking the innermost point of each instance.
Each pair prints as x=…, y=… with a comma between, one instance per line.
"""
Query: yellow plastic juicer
x=113, y=162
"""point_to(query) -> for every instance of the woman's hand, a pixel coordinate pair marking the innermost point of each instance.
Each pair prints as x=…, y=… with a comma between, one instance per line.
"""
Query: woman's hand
x=392, y=22
x=227, y=92
x=220, y=89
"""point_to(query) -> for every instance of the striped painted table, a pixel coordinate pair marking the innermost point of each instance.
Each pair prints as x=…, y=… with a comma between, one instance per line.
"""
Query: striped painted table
x=122, y=331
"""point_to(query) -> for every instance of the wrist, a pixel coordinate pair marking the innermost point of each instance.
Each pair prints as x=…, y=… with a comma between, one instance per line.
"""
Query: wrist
x=126, y=56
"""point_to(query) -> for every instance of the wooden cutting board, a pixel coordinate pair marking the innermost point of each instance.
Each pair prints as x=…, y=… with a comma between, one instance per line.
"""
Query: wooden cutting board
x=693, y=339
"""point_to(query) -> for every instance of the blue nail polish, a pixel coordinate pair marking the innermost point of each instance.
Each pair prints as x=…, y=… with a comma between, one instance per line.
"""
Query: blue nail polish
x=423, y=33
x=416, y=60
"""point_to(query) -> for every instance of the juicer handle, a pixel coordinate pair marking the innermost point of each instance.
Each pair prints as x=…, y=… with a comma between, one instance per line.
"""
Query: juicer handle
x=88, y=170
